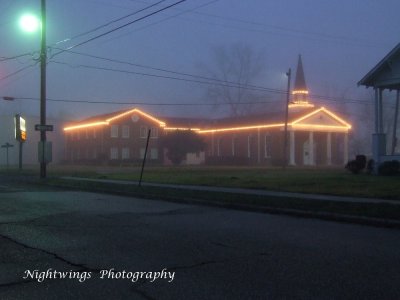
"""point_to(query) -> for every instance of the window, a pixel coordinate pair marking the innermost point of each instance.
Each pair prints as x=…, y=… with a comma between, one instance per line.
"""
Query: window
x=78, y=135
x=249, y=146
x=154, y=153
x=114, y=153
x=143, y=132
x=142, y=150
x=267, y=146
x=125, y=153
x=233, y=146
x=94, y=153
x=86, y=134
x=114, y=131
x=154, y=132
x=94, y=133
x=125, y=131
x=218, y=147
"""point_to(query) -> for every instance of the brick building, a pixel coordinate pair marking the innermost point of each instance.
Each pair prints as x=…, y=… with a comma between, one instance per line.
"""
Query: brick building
x=317, y=136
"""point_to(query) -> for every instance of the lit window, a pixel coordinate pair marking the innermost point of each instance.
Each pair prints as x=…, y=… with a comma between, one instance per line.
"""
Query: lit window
x=143, y=132
x=267, y=146
x=125, y=131
x=154, y=153
x=114, y=131
x=114, y=153
x=125, y=153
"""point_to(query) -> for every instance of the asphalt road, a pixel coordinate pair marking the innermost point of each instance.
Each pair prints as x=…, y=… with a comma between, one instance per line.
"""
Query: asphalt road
x=212, y=253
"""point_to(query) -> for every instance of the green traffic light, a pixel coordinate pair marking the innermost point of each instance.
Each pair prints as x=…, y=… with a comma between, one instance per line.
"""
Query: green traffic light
x=29, y=23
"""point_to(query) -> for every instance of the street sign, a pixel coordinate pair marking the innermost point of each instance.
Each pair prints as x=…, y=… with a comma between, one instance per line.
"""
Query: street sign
x=39, y=127
x=7, y=145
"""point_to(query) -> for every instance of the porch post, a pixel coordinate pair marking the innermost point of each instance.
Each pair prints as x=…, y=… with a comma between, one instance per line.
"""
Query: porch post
x=346, y=148
x=329, y=148
x=311, y=147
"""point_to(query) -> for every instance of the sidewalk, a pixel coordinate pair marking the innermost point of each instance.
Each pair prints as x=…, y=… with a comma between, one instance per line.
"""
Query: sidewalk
x=246, y=191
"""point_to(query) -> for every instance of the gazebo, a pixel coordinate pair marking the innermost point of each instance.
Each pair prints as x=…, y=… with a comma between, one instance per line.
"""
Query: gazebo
x=384, y=76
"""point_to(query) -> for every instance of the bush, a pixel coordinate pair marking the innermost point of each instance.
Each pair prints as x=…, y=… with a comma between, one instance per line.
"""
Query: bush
x=389, y=168
x=357, y=165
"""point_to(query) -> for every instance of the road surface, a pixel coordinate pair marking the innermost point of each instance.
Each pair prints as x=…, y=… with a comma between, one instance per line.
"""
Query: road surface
x=197, y=252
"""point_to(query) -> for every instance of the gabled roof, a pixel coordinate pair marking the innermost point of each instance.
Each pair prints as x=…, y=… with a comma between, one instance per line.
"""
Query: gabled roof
x=106, y=119
x=386, y=74
x=308, y=118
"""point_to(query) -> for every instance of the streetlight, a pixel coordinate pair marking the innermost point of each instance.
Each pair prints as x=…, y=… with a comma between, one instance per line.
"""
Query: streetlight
x=30, y=23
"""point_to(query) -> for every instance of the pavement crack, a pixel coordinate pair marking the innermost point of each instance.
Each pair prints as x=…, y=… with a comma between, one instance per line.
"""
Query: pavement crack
x=81, y=267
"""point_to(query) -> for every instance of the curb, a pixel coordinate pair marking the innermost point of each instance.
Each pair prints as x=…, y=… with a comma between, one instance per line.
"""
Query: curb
x=369, y=221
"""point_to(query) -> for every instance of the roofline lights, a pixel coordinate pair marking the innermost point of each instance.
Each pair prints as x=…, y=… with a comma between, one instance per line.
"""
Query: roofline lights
x=326, y=111
x=181, y=129
x=241, y=128
x=300, y=104
x=107, y=121
x=294, y=124
x=304, y=92
x=85, y=125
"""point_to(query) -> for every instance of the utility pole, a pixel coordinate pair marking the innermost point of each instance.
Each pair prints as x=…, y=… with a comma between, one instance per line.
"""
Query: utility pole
x=396, y=114
x=285, y=139
x=43, y=61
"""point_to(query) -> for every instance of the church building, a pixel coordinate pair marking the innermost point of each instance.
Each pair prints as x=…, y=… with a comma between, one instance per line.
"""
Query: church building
x=314, y=136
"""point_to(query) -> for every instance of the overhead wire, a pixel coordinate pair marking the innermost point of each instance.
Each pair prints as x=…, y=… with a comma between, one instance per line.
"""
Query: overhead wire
x=120, y=27
x=109, y=23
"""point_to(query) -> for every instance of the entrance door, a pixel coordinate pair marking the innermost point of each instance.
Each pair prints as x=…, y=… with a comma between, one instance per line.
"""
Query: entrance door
x=307, y=159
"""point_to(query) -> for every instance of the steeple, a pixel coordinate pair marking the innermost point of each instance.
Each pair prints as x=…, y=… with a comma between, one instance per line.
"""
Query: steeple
x=300, y=91
x=300, y=81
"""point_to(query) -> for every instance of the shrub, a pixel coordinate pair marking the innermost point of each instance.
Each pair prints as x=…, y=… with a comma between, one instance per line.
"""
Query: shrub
x=357, y=165
x=389, y=168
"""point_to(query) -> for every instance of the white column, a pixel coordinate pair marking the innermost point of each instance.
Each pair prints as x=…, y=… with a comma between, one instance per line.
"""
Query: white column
x=329, y=149
x=346, y=148
x=259, y=146
x=311, y=146
x=292, y=148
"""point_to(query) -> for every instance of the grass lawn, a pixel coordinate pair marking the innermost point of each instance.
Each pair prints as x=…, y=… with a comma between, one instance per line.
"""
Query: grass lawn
x=330, y=181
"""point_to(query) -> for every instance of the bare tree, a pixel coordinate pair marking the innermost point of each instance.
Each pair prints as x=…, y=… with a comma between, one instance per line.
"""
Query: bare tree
x=235, y=68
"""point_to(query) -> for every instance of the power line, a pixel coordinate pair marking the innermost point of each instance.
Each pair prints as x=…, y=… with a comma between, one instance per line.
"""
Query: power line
x=231, y=85
x=121, y=26
x=18, y=71
x=141, y=103
x=109, y=23
x=165, y=19
x=224, y=82
x=208, y=81
x=2, y=58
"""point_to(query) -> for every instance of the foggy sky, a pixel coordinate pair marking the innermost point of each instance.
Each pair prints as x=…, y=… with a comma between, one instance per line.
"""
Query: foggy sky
x=340, y=41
